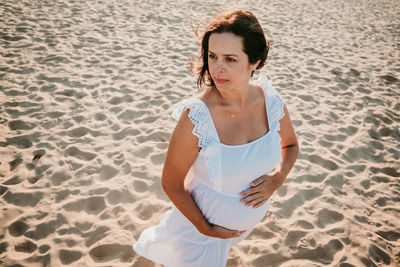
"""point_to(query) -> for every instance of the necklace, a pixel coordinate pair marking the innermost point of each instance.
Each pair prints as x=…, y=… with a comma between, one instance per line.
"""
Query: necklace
x=233, y=115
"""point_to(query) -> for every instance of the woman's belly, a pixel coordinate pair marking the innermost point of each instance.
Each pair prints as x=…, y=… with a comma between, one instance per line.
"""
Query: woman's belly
x=226, y=209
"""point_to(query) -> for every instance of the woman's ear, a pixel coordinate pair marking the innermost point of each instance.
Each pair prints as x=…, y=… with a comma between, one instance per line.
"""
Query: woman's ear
x=254, y=66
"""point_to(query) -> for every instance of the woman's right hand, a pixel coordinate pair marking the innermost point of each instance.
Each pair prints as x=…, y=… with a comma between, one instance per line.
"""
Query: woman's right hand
x=222, y=232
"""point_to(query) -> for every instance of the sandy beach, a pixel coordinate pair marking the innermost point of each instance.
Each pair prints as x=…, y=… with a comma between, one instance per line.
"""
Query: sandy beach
x=86, y=90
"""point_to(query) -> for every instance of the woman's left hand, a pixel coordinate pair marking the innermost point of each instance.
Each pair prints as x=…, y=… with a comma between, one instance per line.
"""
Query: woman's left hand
x=261, y=189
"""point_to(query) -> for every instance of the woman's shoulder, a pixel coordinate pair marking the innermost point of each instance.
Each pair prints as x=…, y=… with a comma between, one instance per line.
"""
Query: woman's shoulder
x=275, y=101
x=193, y=117
x=206, y=97
x=267, y=86
x=192, y=104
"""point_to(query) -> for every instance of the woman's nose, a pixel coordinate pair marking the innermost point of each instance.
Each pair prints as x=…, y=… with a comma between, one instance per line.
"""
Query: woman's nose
x=219, y=67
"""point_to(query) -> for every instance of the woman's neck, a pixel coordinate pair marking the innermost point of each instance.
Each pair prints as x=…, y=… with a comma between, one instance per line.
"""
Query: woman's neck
x=236, y=98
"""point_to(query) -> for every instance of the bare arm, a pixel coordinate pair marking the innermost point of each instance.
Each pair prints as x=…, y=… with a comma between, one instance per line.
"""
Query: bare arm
x=289, y=144
x=182, y=152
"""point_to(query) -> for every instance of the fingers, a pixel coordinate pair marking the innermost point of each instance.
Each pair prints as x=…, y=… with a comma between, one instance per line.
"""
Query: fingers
x=257, y=181
x=250, y=198
x=254, y=201
x=238, y=233
x=222, y=232
x=254, y=186
x=249, y=191
x=259, y=204
x=241, y=232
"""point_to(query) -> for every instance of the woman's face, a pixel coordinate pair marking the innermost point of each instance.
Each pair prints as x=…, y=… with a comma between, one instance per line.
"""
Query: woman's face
x=227, y=62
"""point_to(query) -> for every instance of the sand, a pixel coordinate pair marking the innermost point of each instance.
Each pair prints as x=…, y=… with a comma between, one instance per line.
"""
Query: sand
x=86, y=89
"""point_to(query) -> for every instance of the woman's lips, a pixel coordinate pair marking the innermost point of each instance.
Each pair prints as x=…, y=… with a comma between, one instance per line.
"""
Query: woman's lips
x=220, y=80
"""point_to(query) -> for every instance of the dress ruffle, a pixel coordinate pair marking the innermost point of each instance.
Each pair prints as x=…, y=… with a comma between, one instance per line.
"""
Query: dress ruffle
x=206, y=132
x=195, y=249
x=276, y=105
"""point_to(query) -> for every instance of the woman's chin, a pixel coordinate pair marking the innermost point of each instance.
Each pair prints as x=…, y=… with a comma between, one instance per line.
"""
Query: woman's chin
x=222, y=87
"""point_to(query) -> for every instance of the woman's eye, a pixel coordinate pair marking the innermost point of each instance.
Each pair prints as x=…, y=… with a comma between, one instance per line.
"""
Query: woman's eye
x=230, y=59
x=211, y=56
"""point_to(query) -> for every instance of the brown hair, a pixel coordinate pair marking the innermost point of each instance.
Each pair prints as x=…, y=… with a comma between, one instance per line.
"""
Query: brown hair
x=241, y=23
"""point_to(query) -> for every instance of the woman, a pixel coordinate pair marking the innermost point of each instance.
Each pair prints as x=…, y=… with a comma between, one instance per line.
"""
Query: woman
x=232, y=147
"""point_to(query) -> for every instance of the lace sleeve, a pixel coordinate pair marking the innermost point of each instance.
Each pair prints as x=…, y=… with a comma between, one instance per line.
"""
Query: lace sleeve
x=200, y=117
x=203, y=129
x=275, y=101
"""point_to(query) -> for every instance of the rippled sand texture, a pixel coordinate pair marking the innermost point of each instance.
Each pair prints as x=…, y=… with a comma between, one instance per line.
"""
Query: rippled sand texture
x=85, y=100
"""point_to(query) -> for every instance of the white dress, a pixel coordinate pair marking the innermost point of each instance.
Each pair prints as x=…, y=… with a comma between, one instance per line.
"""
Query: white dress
x=215, y=180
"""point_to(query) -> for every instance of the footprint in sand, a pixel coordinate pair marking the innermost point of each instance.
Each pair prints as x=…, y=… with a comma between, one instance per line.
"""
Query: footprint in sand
x=293, y=237
x=378, y=254
x=14, y=180
x=91, y=205
x=288, y=207
x=114, y=197
x=69, y=256
x=107, y=172
x=43, y=230
x=59, y=178
x=18, y=228
x=324, y=253
x=23, y=199
x=20, y=125
x=109, y=252
x=125, y=133
x=26, y=247
x=95, y=235
x=22, y=141
x=326, y=217
x=77, y=153
x=44, y=248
